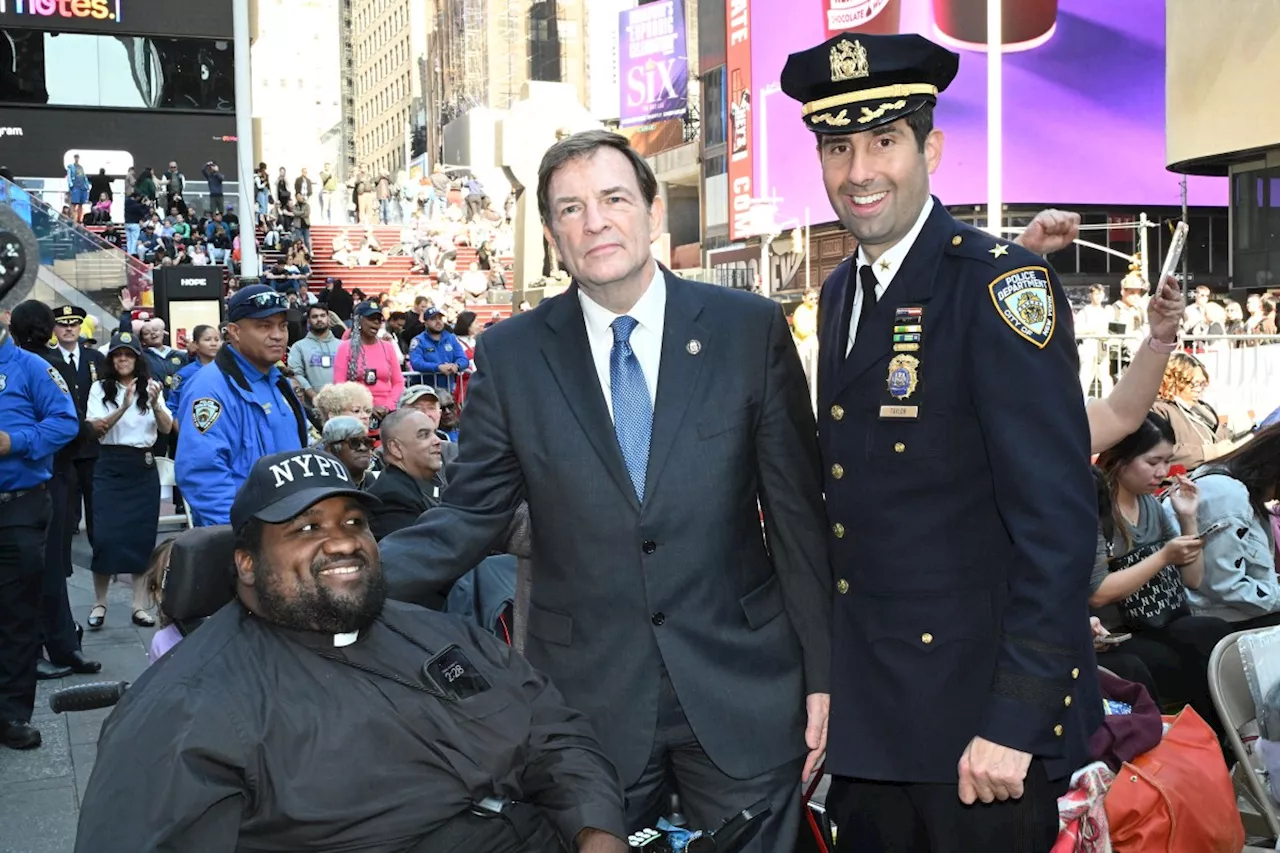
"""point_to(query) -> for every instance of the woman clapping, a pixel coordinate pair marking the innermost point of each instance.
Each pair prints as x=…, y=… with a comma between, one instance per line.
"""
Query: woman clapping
x=127, y=410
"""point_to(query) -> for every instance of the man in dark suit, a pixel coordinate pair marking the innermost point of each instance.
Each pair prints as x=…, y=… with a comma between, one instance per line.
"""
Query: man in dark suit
x=649, y=420
x=962, y=512
x=413, y=479
x=85, y=363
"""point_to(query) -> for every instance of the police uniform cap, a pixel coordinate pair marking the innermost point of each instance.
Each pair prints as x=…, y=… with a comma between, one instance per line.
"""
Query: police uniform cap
x=283, y=485
x=124, y=340
x=368, y=309
x=855, y=82
x=69, y=315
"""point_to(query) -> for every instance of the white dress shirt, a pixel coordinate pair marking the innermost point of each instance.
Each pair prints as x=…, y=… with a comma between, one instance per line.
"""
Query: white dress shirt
x=885, y=268
x=73, y=354
x=649, y=312
x=134, y=429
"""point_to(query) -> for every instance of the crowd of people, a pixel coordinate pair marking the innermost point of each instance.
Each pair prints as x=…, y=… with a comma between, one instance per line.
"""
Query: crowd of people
x=913, y=591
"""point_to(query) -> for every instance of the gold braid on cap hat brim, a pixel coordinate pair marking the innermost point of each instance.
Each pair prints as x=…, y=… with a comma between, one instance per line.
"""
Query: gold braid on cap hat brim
x=901, y=90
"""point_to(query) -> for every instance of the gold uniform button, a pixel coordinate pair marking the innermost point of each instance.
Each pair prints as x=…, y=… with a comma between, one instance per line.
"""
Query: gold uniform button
x=1075, y=673
x=838, y=530
x=899, y=447
x=926, y=638
x=957, y=240
x=837, y=471
x=837, y=412
x=1057, y=731
x=1066, y=702
x=842, y=586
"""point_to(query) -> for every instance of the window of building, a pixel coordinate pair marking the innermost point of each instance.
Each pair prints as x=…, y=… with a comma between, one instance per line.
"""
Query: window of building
x=714, y=124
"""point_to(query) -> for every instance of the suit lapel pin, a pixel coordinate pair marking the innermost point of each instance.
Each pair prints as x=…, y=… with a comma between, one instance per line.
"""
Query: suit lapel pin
x=693, y=347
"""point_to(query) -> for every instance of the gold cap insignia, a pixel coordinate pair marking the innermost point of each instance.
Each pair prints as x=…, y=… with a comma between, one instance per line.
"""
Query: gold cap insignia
x=849, y=62
x=126, y=338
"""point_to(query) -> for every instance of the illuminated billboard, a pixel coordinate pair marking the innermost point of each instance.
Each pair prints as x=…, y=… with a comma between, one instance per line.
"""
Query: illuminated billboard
x=188, y=19
x=1084, y=100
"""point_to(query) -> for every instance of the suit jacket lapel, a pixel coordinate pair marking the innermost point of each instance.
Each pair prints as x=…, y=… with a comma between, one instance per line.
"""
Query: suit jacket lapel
x=569, y=356
x=678, y=373
x=912, y=285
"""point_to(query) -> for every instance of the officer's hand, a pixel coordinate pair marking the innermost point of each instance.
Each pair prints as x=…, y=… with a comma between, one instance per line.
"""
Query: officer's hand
x=1050, y=231
x=990, y=772
x=818, y=708
x=129, y=395
x=5, y=444
x=153, y=390
x=1182, y=550
x=1165, y=310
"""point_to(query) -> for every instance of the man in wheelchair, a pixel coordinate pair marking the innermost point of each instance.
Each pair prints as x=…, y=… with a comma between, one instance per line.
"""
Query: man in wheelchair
x=309, y=713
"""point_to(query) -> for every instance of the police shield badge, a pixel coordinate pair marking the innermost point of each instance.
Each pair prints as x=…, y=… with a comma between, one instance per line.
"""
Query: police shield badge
x=1024, y=299
x=205, y=413
x=58, y=380
x=904, y=376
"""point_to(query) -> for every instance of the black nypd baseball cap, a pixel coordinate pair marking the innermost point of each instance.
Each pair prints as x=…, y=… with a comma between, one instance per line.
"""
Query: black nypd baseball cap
x=124, y=340
x=255, y=303
x=283, y=485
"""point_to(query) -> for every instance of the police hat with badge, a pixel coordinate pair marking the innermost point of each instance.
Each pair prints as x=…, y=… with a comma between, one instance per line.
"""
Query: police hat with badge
x=256, y=302
x=282, y=486
x=857, y=82
x=69, y=315
x=124, y=340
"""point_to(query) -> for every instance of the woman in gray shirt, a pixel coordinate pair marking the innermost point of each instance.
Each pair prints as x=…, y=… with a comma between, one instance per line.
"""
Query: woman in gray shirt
x=1146, y=557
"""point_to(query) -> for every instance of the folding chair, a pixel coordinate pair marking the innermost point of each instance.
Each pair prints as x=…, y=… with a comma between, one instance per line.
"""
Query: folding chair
x=168, y=477
x=1234, y=702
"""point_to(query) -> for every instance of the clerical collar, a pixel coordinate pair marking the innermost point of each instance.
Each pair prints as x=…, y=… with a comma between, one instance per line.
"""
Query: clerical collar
x=311, y=639
x=341, y=640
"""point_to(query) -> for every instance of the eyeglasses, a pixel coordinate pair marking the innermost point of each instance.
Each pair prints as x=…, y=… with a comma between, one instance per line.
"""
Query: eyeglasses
x=1199, y=384
x=356, y=443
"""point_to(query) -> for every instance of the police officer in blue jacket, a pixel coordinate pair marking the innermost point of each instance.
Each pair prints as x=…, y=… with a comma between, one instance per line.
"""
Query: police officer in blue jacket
x=961, y=508
x=438, y=351
x=239, y=407
x=37, y=418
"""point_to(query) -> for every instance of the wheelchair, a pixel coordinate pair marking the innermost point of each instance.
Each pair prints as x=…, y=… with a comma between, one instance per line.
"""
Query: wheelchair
x=199, y=582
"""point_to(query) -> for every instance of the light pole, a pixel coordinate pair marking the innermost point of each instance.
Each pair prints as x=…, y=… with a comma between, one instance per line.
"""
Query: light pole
x=995, y=116
x=765, y=192
x=249, y=266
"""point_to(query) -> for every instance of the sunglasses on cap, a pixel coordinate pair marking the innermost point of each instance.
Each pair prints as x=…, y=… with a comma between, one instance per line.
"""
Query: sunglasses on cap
x=267, y=300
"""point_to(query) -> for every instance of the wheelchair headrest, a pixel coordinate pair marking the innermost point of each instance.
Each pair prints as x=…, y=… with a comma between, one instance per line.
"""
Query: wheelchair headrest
x=201, y=575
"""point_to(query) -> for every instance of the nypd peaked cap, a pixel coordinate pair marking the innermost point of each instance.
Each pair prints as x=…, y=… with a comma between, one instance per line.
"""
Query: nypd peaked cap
x=69, y=315
x=855, y=82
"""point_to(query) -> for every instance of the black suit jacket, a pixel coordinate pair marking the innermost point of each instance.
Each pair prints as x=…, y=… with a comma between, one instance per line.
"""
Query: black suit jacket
x=963, y=514
x=402, y=501
x=738, y=614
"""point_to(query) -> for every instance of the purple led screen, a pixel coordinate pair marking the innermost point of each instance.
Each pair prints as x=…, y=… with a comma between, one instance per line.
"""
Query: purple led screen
x=1084, y=105
x=654, y=73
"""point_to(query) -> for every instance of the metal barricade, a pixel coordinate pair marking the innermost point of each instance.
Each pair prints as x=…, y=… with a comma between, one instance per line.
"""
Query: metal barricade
x=1244, y=370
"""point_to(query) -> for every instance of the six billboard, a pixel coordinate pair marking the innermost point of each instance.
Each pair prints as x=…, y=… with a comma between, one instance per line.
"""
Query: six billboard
x=654, y=74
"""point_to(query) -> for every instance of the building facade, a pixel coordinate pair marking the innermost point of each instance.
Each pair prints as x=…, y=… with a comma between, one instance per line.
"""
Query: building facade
x=296, y=83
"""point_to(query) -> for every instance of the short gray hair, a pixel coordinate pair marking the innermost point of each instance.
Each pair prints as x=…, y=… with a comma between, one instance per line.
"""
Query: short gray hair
x=586, y=144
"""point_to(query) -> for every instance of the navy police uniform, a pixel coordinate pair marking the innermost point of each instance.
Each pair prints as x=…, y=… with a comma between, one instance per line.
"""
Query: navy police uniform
x=88, y=365
x=961, y=509
x=38, y=417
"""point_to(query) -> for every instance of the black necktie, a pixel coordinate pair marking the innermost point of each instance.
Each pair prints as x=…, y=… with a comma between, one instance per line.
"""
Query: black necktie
x=71, y=360
x=867, y=278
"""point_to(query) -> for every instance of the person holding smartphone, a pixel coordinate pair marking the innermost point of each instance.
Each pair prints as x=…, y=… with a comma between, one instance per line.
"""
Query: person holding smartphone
x=1240, y=583
x=1148, y=557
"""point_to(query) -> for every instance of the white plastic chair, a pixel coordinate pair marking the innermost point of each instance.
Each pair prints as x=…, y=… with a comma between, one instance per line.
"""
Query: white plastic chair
x=168, y=477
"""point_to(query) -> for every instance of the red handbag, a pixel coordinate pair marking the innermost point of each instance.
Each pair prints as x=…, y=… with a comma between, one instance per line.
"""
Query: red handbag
x=1177, y=797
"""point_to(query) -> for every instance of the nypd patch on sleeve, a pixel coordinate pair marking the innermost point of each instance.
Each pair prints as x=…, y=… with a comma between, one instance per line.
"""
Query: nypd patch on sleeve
x=205, y=413
x=58, y=380
x=1024, y=300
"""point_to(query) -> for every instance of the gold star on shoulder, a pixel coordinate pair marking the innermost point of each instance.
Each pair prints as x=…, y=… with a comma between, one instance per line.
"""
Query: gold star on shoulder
x=884, y=265
x=1000, y=250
